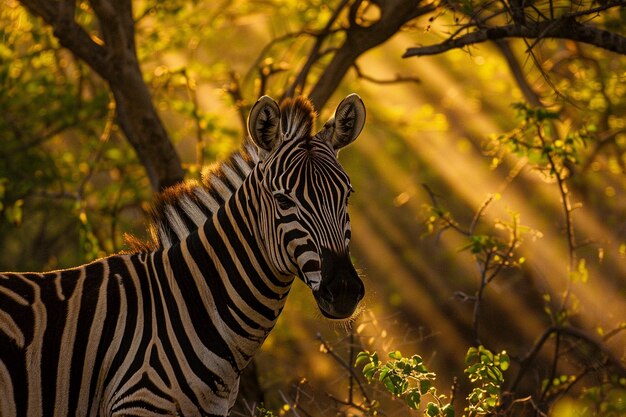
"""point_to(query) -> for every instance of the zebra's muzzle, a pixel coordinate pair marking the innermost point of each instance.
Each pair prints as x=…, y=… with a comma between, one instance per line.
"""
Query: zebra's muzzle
x=341, y=288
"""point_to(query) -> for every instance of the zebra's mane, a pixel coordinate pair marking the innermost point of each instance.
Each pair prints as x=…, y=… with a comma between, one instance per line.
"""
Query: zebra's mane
x=181, y=209
x=297, y=117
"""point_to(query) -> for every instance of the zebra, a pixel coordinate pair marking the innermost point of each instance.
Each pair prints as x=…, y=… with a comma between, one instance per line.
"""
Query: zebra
x=166, y=330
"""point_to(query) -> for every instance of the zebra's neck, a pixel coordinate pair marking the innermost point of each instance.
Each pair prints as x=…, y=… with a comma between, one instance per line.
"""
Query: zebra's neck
x=232, y=275
x=182, y=209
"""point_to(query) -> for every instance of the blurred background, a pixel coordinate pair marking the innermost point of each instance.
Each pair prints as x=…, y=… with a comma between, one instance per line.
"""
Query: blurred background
x=489, y=206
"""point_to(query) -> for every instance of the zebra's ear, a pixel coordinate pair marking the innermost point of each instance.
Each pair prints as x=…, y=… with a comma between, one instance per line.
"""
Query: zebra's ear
x=347, y=122
x=264, y=123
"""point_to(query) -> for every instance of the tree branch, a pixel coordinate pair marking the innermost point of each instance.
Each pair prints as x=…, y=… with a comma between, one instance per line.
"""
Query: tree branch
x=518, y=74
x=314, y=55
x=577, y=334
x=345, y=365
x=70, y=34
x=564, y=28
x=398, y=78
x=394, y=14
x=114, y=58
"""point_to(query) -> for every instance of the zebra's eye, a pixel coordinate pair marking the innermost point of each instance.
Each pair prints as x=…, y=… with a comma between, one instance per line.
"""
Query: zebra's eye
x=284, y=202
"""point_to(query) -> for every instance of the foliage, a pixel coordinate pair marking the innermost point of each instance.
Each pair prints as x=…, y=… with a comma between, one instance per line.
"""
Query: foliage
x=263, y=412
x=63, y=145
x=485, y=370
x=554, y=153
x=407, y=378
x=537, y=139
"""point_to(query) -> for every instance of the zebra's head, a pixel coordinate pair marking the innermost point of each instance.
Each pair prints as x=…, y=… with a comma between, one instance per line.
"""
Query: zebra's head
x=304, y=194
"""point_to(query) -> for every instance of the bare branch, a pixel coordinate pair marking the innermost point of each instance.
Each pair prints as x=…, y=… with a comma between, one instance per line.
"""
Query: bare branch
x=576, y=334
x=315, y=55
x=527, y=90
x=564, y=28
x=70, y=34
x=394, y=14
x=396, y=80
x=234, y=90
x=265, y=50
x=347, y=366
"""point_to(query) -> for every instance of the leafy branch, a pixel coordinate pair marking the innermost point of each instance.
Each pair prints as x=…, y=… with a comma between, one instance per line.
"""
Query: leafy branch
x=408, y=378
x=568, y=26
x=536, y=139
x=485, y=370
x=491, y=252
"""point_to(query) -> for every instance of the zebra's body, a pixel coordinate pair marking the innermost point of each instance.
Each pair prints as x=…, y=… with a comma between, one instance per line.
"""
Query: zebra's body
x=168, y=332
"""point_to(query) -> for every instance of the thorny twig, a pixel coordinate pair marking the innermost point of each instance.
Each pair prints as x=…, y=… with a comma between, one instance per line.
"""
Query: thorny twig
x=564, y=27
x=485, y=267
x=449, y=223
x=315, y=54
x=567, y=211
x=195, y=114
x=572, y=332
x=347, y=366
x=398, y=79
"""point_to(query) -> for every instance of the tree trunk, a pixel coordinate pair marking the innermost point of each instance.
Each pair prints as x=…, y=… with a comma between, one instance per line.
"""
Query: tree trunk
x=115, y=59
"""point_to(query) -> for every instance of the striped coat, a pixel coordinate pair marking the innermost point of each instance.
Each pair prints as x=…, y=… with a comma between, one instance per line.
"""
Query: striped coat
x=167, y=330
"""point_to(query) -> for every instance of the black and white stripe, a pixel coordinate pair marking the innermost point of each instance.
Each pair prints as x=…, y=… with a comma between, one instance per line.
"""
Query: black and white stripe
x=183, y=208
x=168, y=331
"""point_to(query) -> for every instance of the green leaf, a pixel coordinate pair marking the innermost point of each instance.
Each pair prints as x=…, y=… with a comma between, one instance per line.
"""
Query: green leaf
x=413, y=399
x=383, y=373
x=448, y=410
x=485, y=355
x=498, y=375
x=14, y=213
x=424, y=386
x=492, y=389
x=472, y=369
x=404, y=386
x=369, y=370
x=395, y=355
x=432, y=409
x=505, y=361
x=471, y=355
x=362, y=357
x=474, y=397
x=391, y=387
x=398, y=383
